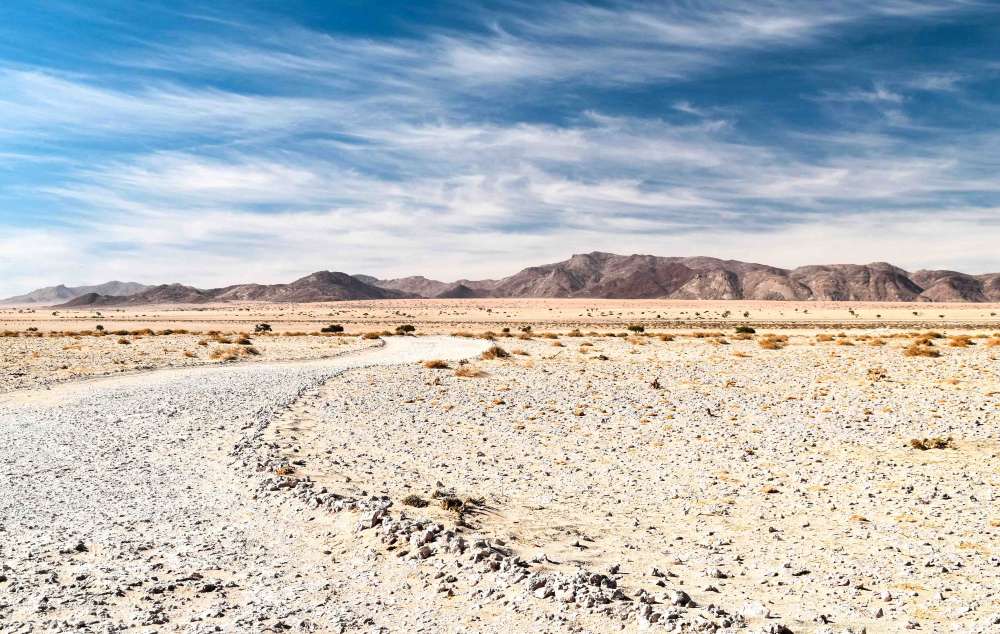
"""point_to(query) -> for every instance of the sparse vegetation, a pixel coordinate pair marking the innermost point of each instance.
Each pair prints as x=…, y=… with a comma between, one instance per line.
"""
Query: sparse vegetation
x=436, y=364
x=494, y=352
x=332, y=328
x=923, y=348
x=415, y=501
x=262, y=328
x=405, y=329
x=468, y=371
x=934, y=442
x=773, y=342
x=745, y=330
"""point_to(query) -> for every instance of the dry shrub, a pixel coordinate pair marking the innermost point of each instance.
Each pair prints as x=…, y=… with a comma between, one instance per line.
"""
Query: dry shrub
x=742, y=355
x=636, y=340
x=993, y=342
x=190, y=355
x=961, y=341
x=524, y=336
x=574, y=333
x=923, y=348
x=231, y=354
x=415, y=501
x=463, y=334
x=934, y=442
x=707, y=335
x=772, y=342
x=494, y=352
x=558, y=344
x=468, y=371
x=824, y=337
x=371, y=335
x=436, y=364
x=877, y=374
x=876, y=341
x=244, y=341
x=284, y=470
x=124, y=341
x=742, y=336
x=844, y=342
x=666, y=337
x=549, y=335
x=520, y=351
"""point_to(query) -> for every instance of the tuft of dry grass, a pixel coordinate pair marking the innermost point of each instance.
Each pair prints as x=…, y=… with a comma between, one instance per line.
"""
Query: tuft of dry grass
x=934, y=442
x=922, y=348
x=371, y=335
x=773, y=342
x=666, y=337
x=961, y=341
x=190, y=355
x=232, y=354
x=415, y=501
x=494, y=352
x=824, y=337
x=124, y=341
x=520, y=351
x=993, y=342
x=469, y=371
x=436, y=364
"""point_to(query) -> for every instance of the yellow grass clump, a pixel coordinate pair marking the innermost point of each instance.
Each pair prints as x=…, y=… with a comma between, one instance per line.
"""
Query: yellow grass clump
x=468, y=371
x=436, y=364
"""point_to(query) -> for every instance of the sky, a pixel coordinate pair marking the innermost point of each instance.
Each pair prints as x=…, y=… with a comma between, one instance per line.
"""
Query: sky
x=229, y=142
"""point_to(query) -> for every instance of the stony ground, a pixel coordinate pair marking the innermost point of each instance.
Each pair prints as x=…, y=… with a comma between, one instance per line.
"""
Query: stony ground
x=580, y=484
x=779, y=485
x=128, y=504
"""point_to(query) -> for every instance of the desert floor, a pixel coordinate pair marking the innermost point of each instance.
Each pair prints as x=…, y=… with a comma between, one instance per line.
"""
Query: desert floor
x=679, y=479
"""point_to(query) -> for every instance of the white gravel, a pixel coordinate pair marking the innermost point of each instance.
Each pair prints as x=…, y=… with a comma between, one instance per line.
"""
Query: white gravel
x=126, y=503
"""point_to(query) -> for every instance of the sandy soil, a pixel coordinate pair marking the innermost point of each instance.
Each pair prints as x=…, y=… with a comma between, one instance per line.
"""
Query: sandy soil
x=32, y=361
x=446, y=316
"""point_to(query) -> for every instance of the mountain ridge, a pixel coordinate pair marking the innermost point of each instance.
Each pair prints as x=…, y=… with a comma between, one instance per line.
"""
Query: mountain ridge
x=599, y=275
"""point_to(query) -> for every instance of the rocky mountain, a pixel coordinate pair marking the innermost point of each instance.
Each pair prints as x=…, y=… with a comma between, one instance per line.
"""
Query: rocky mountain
x=606, y=275
x=61, y=293
x=598, y=275
x=322, y=286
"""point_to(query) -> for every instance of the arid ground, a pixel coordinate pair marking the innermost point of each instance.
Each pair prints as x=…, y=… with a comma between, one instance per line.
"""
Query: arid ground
x=835, y=470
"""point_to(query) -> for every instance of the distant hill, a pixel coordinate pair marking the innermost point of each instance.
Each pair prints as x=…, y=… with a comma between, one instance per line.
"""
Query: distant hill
x=322, y=286
x=61, y=293
x=597, y=275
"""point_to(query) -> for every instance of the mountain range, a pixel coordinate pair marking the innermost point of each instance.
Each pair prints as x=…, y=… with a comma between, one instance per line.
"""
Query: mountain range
x=596, y=275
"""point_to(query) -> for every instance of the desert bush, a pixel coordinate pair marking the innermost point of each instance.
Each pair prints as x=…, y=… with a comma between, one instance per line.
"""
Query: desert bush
x=961, y=341
x=824, y=337
x=190, y=355
x=332, y=328
x=923, y=348
x=993, y=342
x=124, y=341
x=742, y=336
x=876, y=341
x=666, y=337
x=844, y=342
x=243, y=341
x=745, y=330
x=405, y=329
x=520, y=351
x=574, y=333
x=934, y=442
x=436, y=364
x=468, y=371
x=494, y=352
x=415, y=501
x=371, y=335
x=262, y=328
x=549, y=335
x=99, y=327
x=772, y=342
x=636, y=328
x=231, y=354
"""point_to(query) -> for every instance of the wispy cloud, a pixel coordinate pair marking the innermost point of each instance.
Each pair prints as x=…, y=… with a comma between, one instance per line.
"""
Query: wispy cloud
x=212, y=158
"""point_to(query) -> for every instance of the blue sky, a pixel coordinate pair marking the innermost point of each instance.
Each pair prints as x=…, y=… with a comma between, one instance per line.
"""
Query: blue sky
x=224, y=142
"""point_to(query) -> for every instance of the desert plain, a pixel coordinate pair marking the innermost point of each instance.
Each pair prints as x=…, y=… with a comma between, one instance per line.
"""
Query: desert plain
x=509, y=465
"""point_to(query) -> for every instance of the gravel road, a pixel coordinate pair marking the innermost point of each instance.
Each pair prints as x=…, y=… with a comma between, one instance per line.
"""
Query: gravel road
x=126, y=504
